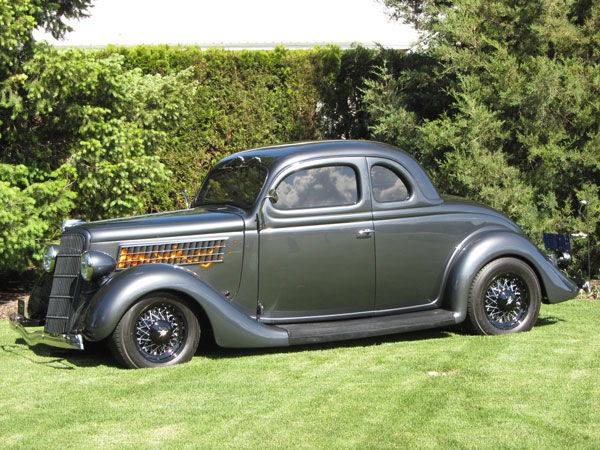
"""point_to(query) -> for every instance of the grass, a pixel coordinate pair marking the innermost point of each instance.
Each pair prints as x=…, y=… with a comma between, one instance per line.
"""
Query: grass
x=430, y=389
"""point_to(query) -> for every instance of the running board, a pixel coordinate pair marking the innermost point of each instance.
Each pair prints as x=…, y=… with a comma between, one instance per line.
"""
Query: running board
x=341, y=330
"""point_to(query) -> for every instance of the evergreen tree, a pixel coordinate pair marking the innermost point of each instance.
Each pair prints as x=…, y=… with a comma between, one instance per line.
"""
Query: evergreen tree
x=519, y=123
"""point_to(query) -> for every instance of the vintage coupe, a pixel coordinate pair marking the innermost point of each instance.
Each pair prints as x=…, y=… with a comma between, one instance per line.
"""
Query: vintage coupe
x=291, y=244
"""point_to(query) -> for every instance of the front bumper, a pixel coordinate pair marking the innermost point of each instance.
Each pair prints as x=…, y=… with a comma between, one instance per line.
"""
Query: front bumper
x=19, y=324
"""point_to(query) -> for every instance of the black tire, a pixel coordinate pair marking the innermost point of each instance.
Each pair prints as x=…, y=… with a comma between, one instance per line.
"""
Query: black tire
x=159, y=330
x=505, y=297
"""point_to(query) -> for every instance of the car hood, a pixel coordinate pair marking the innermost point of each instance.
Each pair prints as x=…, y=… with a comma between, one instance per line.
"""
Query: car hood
x=163, y=225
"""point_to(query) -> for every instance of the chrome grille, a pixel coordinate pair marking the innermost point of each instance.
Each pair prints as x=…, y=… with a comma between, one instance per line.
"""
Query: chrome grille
x=204, y=253
x=65, y=283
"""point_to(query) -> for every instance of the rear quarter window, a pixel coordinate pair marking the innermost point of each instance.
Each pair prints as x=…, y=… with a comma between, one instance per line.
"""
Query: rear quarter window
x=387, y=185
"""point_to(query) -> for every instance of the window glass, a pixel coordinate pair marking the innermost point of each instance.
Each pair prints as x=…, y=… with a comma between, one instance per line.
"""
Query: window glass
x=387, y=185
x=318, y=187
x=238, y=186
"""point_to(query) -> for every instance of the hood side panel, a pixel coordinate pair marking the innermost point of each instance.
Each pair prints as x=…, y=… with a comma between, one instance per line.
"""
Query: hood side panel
x=178, y=231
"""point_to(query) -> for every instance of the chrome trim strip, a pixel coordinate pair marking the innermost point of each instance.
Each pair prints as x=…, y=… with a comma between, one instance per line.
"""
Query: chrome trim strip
x=177, y=239
x=41, y=337
x=172, y=264
x=171, y=250
x=160, y=258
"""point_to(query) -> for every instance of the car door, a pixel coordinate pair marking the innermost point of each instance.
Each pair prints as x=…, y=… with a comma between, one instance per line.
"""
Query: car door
x=317, y=254
x=413, y=243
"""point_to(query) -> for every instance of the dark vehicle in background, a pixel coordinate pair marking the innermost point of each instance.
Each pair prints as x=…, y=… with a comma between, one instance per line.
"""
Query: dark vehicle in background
x=291, y=244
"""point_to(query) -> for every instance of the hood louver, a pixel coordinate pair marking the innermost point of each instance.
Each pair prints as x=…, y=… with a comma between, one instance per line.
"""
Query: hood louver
x=204, y=253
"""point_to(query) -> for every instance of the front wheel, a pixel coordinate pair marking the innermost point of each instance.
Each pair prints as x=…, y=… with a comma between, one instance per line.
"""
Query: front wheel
x=159, y=330
x=505, y=297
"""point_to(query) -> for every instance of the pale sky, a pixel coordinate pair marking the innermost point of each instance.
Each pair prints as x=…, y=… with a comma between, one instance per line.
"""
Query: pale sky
x=132, y=22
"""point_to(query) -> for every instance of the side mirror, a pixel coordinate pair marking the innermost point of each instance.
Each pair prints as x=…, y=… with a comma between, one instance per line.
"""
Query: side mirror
x=185, y=197
x=260, y=219
x=273, y=196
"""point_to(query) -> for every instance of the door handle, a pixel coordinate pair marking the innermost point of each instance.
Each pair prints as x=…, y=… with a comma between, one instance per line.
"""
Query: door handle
x=367, y=232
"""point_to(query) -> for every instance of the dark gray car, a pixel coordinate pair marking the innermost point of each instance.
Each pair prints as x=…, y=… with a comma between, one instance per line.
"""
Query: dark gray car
x=291, y=244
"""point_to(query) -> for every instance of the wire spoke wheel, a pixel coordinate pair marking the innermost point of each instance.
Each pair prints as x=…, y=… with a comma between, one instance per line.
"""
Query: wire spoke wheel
x=505, y=297
x=160, y=332
x=506, y=301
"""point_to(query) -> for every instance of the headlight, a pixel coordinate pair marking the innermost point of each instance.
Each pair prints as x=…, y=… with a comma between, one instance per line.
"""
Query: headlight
x=87, y=269
x=50, y=258
x=95, y=265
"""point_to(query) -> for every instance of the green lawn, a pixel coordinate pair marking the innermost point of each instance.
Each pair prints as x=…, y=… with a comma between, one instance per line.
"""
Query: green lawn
x=431, y=389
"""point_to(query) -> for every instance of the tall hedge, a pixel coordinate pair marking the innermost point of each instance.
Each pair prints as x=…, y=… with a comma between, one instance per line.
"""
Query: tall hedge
x=118, y=131
x=252, y=98
x=103, y=133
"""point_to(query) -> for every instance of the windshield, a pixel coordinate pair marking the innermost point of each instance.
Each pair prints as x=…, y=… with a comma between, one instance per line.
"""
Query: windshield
x=239, y=186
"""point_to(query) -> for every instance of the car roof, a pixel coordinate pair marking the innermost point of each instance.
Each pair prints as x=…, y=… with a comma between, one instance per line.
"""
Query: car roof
x=285, y=154
x=276, y=157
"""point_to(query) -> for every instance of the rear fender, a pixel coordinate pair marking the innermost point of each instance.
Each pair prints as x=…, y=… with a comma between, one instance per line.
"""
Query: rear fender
x=231, y=327
x=488, y=246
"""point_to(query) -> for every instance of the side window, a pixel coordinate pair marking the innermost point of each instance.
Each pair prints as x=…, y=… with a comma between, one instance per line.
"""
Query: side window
x=318, y=187
x=387, y=185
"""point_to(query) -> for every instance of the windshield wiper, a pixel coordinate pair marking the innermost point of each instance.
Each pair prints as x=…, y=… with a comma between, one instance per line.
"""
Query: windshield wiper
x=230, y=203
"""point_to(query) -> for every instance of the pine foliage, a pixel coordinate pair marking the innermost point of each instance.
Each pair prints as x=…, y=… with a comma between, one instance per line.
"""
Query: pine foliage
x=519, y=123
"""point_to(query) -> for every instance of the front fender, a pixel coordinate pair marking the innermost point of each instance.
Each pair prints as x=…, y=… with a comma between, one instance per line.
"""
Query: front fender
x=231, y=327
x=491, y=245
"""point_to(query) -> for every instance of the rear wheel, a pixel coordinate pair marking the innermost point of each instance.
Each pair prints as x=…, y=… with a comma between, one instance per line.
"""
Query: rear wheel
x=505, y=297
x=159, y=330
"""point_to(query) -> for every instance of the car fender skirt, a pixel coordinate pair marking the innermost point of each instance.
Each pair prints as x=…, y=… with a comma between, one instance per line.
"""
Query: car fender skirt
x=490, y=245
x=231, y=327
